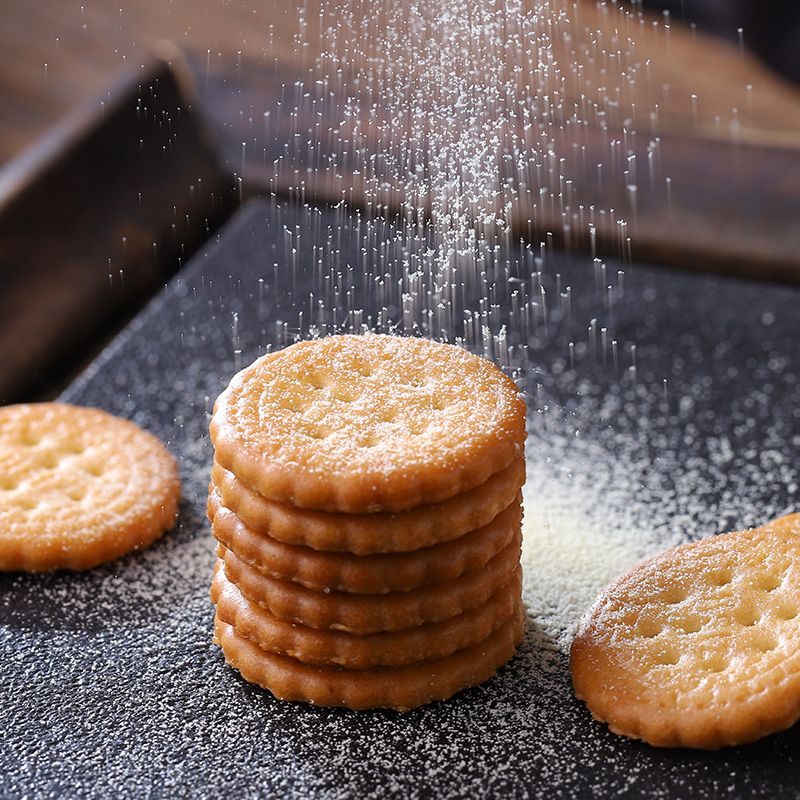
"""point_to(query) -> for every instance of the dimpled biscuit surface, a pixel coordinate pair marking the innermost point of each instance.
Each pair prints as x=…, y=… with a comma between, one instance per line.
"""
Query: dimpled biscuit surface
x=699, y=646
x=369, y=423
x=79, y=487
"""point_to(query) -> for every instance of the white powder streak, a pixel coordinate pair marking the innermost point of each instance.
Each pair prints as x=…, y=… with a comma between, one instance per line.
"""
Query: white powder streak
x=568, y=556
x=580, y=529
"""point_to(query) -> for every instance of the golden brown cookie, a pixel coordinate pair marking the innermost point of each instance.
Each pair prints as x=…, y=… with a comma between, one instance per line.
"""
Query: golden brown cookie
x=367, y=534
x=79, y=487
x=698, y=647
x=364, y=613
x=376, y=574
x=360, y=424
x=337, y=648
x=399, y=688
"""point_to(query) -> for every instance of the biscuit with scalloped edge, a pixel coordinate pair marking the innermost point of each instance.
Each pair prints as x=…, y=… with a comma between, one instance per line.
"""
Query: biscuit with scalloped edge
x=699, y=646
x=362, y=614
x=399, y=688
x=366, y=423
x=368, y=534
x=79, y=487
x=338, y=648
x=371, y=574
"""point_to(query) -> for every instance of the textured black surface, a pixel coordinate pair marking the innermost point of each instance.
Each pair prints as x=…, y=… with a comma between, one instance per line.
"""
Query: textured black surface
x=111, y=685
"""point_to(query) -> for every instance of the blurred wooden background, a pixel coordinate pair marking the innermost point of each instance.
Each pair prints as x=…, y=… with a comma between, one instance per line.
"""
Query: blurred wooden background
x=728, y=127
x=55, y=56
x=729, y=133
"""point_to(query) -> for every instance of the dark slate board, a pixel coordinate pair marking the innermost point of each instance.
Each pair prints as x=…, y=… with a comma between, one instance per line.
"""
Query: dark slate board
x=111, y=685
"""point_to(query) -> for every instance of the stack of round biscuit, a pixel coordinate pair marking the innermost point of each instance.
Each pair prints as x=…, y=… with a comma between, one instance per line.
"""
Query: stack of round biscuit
x=366, y=498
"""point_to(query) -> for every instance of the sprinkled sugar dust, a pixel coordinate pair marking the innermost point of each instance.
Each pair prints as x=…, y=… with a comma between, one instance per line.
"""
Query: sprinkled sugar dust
x=467, y=120
x=614, y=481
x=111, y=677
x=646, y=433
x=572, y=545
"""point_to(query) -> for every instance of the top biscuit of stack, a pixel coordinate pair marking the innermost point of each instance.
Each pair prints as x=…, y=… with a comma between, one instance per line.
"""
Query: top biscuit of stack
x=361, y=424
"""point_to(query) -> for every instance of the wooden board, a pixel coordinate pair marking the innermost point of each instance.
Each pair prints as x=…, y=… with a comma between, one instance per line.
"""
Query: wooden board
x=95, y=219
x=727, y=127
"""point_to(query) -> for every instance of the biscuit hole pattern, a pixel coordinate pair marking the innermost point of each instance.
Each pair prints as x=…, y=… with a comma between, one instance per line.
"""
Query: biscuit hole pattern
x=786, y=612
x=741, y=695
x=668, y=658
x=746, y=617
x=674, y=595
x=418, y=427
x=30, y=438
x=648, y=629
x=414, y=383
x=317, y=381
x=720, y=577
x=95, y=470
x=292, y=404
x=26, y=503
x=716, y=664
x=768, y=583
x=765, y=644
x=689, y=625
x=48, y=460
x=77, y=494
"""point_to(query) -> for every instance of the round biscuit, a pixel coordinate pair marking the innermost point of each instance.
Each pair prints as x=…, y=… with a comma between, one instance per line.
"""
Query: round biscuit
x=697, y=647
x=398, y=688
x=79, y=487
x=369, y=534
x=359, y=424
x=372, y=574
x=363, y=613
x=337, y=648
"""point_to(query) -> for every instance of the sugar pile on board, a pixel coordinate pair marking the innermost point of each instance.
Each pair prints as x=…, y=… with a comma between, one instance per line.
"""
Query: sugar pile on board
x=579, y=530
x=601, y=497
x=113, y=679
